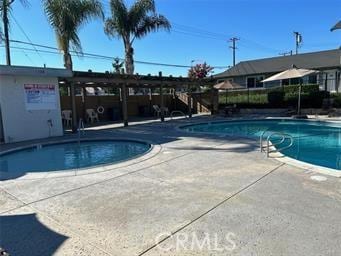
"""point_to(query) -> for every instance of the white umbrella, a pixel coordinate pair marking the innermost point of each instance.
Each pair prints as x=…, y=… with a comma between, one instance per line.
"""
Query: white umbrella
x=290, y=73
x=293, y=72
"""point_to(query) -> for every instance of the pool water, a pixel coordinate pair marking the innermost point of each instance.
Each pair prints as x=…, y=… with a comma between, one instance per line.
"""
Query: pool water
x=71, y=155
x=314, y=142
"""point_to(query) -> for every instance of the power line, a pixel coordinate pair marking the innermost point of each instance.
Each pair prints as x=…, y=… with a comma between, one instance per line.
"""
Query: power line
x=23, y=31
x=92, y=55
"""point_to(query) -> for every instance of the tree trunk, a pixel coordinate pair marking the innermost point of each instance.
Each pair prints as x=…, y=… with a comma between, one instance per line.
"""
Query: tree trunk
x=5, y=22
x=129, y=59
x=67, y=60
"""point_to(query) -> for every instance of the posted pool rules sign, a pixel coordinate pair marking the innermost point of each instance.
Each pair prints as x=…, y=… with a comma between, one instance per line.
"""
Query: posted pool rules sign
x=40, y=96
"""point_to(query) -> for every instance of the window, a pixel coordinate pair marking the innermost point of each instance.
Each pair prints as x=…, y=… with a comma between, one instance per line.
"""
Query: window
x=251, y=82
x=285, y=82
x=294, y=81
x=312, y=79
x=254, y=82
x=258, y=81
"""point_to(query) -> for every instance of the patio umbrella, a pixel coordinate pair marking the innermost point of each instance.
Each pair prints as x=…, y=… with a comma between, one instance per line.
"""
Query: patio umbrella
x=293, y=72
x=337, y=26
x=226, y=85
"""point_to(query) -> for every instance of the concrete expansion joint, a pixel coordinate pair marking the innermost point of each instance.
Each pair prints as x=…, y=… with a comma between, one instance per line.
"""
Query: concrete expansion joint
x=213, y=208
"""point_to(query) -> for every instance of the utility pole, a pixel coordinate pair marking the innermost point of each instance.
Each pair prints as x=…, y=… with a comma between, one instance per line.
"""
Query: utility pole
x=4, y=9
x=298, y=40
x=233, y=47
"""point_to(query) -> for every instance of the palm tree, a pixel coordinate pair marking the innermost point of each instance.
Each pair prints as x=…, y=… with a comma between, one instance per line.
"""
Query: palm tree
x=5, y=9
x=66, y=17
x=134, y=22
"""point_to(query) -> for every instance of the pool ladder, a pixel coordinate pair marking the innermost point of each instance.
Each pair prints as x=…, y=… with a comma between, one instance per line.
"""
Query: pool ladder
x=81, y=129
x=178, y=112
x=270, y=147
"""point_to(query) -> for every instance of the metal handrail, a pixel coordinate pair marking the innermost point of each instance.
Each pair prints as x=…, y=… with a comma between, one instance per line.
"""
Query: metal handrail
x=81, y=129
x=261, y=140
x=178, y=112
x=277, y=149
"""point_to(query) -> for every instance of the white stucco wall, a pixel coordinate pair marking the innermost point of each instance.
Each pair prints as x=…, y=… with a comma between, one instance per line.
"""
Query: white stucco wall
x=19, y=124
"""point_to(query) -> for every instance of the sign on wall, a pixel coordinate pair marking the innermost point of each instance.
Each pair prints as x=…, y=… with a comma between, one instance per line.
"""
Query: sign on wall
x=40, y=96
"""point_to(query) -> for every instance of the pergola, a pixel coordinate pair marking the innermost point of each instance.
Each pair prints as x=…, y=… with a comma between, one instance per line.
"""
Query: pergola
x=124, y=82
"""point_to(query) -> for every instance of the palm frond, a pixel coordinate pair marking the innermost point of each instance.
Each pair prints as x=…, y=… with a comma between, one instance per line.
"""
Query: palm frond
x=67, y=16
x=152, y=23
x=139, y=10
x=118, y=24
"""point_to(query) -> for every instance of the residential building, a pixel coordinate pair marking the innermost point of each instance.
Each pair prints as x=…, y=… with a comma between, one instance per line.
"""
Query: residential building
x=250, y=73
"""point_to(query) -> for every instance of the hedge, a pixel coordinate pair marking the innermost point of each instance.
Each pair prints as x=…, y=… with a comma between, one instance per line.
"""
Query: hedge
x=286, y=96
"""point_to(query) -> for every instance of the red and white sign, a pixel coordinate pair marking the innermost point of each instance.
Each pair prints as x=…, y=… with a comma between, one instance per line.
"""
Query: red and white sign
x=40, y=96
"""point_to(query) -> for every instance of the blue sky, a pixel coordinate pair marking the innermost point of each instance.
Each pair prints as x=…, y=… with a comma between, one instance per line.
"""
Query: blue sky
x=201, y=30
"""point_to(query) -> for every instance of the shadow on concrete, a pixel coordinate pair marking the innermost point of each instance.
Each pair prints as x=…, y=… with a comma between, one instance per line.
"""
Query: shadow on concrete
x=23, y=235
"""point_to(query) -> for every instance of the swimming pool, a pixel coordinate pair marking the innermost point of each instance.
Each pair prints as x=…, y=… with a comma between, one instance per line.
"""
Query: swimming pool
x=314, y=142
x=71, y=155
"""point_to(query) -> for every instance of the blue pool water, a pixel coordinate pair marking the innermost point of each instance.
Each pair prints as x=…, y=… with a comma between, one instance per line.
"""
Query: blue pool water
x=315, y=142
x=71, y=155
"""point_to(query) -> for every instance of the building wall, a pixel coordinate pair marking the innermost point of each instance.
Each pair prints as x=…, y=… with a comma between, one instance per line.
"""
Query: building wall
x=329, y=79
x=20, y=124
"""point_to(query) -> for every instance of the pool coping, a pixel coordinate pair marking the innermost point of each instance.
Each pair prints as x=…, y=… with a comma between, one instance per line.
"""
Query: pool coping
x=151, y=152
x=275, y=155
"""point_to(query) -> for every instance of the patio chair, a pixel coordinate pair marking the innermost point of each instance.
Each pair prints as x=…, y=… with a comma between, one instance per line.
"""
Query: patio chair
x=157, y=110
x=67, y=118
x=165, y=111
x=231, y=110
x=290, y=111
x=91, y=116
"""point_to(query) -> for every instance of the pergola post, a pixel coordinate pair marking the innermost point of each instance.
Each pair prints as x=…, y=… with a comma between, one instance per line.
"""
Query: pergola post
x=73, y=107
x=162, y=102
x=189, y=101
x=83, y=101
x=124, y=104
x=214, y=100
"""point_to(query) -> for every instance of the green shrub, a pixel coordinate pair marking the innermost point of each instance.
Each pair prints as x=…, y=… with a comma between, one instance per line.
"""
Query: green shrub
x=337, y=100
x=276, y=97
x=279, y=97
x=315, y=98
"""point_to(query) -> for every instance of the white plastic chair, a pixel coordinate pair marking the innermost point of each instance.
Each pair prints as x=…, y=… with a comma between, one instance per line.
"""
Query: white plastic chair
x=67, y=117
x=91, y=116
x=157, y=110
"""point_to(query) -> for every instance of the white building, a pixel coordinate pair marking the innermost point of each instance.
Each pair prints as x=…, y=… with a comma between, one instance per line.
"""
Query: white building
x=30, y=103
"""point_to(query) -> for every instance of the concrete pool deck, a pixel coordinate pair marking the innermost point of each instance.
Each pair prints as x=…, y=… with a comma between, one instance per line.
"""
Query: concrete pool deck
x=197, y=195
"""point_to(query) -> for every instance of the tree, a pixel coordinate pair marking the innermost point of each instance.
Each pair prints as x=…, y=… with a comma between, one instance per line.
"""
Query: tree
x=133, y=23
x=199, y=71
x=66, y=17
x=117, y=65
x=5, y=9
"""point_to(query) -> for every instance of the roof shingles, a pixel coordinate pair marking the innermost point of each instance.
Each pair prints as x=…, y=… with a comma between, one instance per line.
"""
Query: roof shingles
x=313, y=60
